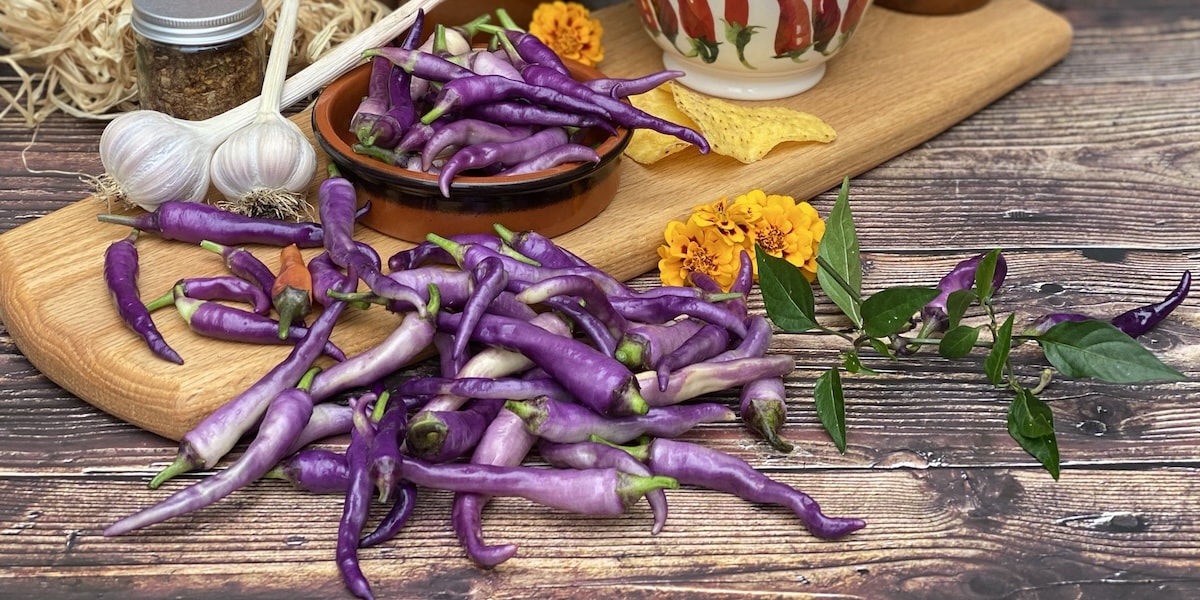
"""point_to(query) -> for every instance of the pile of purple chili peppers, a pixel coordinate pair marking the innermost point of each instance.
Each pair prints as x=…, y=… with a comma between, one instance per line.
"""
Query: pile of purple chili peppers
x=555, y=382
x=511, y=107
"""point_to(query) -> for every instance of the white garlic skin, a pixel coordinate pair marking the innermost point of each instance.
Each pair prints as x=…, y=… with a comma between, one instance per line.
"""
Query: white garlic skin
x=154, y=158
x=270, y=154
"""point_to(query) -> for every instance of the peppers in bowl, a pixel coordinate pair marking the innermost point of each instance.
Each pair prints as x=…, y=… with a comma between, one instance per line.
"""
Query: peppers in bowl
x=407, y=203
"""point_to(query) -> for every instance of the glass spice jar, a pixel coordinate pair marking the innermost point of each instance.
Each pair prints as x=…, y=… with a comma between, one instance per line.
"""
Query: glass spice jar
x=198, y=58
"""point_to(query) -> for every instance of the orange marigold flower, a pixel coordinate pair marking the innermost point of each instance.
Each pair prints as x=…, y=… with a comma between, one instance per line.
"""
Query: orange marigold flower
x=788, y=229
x=733, y=220
x=692, y=247
x=569, y=29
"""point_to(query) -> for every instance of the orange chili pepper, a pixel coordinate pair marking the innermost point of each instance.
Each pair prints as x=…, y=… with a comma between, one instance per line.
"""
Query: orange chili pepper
x=291, y=294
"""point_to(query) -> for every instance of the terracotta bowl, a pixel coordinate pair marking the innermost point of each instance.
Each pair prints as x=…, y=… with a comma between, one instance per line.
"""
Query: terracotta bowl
x=751, y=49
x=407, y=204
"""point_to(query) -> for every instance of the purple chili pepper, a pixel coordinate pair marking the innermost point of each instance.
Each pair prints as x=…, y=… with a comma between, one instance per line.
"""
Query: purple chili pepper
x=384, y=456
x=121, y=275
x=488, y=279
x=582, y=290
x=644, y=344
x=396, y=517
x=467, y=132
x=242, y=263
x=448, y=365
x=621, y=88
x=620, y=112
x=497, y=362
x=661, y=309
x=565, y=154
x=414, y=138
x=325, y=276
x=741, y=284
x=763, y=408
x=595, y=455
x=214, y=436
x=597, y=380
x=420, y=64
x=961, y=277
x=704, y=344
x=355, y=510
x=527, y=46
x=486, y=154
x=504, y=443
x=231, y=288
x=195, y=222
x=371, y=122
x=1142, y=319
x=694, y=464
x=517, y=112
x=539, y=248
x=502, y=388
x=565, y=422
x=314, y=470
x=428, y=253
x=440, y=436
x=1134, y=322
x=605, y=491
x=283, y=421
x=465, y=92
x=401, y=346
x=704, y=378
x=219, y=321
x=755, y=344
x=327, y=420
x=337, y=202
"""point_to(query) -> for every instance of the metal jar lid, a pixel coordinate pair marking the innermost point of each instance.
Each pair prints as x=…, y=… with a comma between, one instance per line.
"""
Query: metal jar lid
x=196, y=22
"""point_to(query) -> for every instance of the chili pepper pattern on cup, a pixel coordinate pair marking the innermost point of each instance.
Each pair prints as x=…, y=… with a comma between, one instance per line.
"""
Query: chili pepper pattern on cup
x=751, y=49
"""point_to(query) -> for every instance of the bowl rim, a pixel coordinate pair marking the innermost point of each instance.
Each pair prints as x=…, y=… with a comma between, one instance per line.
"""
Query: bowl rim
x=336, y=143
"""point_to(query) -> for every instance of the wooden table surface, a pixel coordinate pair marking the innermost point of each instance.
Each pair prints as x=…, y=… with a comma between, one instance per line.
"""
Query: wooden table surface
x=1088, y=177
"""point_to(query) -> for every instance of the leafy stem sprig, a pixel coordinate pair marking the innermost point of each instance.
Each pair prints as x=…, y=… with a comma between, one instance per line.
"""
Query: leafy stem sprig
x=1075, y=346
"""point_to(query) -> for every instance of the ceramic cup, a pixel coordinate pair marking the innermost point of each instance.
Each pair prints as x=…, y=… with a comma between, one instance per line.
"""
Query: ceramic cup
x=750, y=49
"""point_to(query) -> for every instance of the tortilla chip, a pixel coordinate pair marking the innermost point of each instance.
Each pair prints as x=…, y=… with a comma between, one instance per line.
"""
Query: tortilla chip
x=747, y=133
x=647, y=146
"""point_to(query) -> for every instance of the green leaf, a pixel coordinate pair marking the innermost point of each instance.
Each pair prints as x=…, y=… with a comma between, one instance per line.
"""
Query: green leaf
x=958, y=342
x=1097, y=349
x=839, y=252
x=888, y=311
x=1032, y=417
x=984, y=274
x=852, y=362
x=1044, y=449
x=883, y=348
x=997, y=359
x=787, y=295
x=957, y=304
x=831, y=406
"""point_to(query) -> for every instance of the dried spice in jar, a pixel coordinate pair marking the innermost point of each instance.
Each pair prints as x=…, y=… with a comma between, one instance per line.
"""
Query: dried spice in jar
x=198, y=58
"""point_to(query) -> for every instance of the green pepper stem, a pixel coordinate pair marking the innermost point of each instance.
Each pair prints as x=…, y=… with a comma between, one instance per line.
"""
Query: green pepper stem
x=631, y=488
x=184, y=462
x=162, y=301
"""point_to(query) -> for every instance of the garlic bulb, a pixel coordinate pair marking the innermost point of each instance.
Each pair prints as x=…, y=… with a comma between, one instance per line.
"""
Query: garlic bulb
x=138, y=171
x=264, y=168
x=150, y=157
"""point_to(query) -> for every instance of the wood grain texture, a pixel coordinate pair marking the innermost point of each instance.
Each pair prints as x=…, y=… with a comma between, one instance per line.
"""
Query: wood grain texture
x=903, y=95
x=1085, y=176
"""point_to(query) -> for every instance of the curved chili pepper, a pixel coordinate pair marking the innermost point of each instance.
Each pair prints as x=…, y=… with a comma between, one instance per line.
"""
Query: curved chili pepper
x=793, y=35
x=520, y=113
x=355, y=510
x=645, y=344
x=961, y=277
x=596, y=455
x=707, y=377
x=327, y=420
x=706, y=343
x=581, y=290
x=225, y=287
x=694, y=464
x=292, y=290
x=219, y=321
x=623, y=88
x=697, y=20
x=738, y=29
x=763, y=407
x=598, y=381
x=121, y=275
x=854, y=13
x=242, y=263
x=567, y=422
x=282, y=422
x=440, y=436
x=565, y=154
x=396, y=517
x=539, y=248
x=826, y=17
x=1134, y=322
x=195, y=222
x=384, y=458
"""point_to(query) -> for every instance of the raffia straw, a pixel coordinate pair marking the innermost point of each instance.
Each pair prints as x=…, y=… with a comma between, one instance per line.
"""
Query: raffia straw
x=77, y=56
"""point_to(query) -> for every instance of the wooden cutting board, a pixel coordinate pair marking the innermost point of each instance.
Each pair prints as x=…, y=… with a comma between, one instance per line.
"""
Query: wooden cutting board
x=903, y=79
